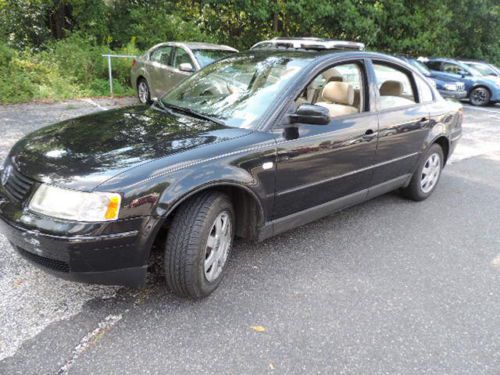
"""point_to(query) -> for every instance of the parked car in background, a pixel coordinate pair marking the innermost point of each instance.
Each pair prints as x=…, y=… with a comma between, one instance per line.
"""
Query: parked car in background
x=483, y=67
x=481, y=90
x=250, y=146
x=447, y=89
x=307, y=43
x=166, y=64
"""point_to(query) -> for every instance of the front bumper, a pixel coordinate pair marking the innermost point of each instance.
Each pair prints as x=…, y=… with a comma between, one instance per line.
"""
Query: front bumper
x=453, y=94
x=114, y=254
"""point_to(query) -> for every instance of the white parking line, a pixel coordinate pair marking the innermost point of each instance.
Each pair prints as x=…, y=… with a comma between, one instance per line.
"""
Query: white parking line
x=90, y=101
x=482, y=109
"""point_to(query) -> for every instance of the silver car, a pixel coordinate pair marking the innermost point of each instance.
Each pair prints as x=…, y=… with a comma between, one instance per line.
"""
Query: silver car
x=166, y=64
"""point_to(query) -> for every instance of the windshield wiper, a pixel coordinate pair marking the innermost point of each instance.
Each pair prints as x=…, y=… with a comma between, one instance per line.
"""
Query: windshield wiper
x=190, y=112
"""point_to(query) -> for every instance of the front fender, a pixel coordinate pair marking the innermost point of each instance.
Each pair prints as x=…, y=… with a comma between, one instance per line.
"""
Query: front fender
x=189, y=182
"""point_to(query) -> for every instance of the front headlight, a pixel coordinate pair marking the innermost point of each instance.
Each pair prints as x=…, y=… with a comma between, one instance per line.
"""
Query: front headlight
x=75, y=205
x=450, y=86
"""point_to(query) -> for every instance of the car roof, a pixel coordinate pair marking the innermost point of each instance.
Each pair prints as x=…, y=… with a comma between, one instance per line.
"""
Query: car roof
x=317, y=55
x=310, y=43
x=197, y=45
x=445, y=59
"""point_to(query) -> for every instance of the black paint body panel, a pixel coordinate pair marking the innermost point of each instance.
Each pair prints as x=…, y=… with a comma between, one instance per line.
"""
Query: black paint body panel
x=157, y=160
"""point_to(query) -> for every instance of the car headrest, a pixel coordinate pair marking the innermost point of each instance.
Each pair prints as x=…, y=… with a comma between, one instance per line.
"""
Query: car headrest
x=391, y=88
x=338, y=92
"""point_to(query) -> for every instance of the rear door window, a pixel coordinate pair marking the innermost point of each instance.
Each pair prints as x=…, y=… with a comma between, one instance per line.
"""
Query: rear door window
x=424, y=91
x=394, y=85
x=434, y=65
x=162, y=55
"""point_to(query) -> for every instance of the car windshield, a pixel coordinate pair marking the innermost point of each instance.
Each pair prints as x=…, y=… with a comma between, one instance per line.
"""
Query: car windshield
x=484, y=69
x=237, y=90
x=208, y=56
x=421, y=67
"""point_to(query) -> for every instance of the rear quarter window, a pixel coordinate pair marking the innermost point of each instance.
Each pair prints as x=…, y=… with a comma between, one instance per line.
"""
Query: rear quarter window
x=424, y=91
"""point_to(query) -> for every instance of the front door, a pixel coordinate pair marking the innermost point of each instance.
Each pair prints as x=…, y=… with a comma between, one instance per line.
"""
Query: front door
x=319, y=164
x=180, y=57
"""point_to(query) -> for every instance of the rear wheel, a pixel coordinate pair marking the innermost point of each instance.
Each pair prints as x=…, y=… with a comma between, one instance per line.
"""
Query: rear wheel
x=198, y=245
x=426, y=177
x=480, y=96
x=143, y=92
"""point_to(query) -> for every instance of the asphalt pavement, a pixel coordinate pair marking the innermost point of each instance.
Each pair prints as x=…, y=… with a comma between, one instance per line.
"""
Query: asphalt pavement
x=387, y=287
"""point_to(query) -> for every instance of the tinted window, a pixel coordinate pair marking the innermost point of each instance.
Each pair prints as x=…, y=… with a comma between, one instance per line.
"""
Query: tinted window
x=181, y=57
x=424, y=91
x=394, y=85
x=162, y=55
x=434, y=65
x=208, y=56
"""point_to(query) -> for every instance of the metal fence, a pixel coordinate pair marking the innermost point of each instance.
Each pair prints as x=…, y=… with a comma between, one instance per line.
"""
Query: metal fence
x=110, y=68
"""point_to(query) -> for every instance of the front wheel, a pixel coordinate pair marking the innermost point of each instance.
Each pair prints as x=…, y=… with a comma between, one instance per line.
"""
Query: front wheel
x=426, y=177
x=480, y=96
x=198, y=244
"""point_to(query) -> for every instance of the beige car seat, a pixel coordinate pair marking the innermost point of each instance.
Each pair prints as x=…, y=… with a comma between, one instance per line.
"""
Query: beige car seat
x=391, y=88
x=338, y=99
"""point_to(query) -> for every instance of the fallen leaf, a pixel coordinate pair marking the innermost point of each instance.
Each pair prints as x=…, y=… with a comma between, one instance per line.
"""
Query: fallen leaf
x=258, y=328
x=271, y=366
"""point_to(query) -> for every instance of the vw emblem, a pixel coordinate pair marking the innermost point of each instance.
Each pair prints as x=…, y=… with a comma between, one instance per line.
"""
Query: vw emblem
x=6, y=174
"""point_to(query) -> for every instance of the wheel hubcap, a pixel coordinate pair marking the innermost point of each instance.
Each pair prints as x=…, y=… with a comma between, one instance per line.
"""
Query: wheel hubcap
x=479, y=96
x=217, y=248
x=430, y=173
x=143, y=92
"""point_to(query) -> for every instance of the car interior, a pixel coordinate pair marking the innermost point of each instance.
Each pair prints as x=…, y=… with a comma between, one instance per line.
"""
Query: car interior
x=340, y=89
x=337, y=89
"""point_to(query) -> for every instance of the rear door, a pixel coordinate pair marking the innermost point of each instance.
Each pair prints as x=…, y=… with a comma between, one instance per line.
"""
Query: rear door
x=160, y=70
x=404, y=123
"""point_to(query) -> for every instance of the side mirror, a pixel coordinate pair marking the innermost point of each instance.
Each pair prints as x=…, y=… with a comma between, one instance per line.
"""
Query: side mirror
x=186, y=67
x=311, y=114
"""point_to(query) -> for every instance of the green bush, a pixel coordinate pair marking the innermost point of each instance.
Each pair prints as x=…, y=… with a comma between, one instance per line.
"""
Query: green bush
x=69, y=68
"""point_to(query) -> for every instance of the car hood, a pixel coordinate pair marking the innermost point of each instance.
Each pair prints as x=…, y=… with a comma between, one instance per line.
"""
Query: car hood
x=84, y=152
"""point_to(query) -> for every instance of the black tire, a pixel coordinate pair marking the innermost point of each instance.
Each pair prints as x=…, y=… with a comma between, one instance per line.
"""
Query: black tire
x=480, y=96
x=414, y=190
x=143, y=96
x=186, y=246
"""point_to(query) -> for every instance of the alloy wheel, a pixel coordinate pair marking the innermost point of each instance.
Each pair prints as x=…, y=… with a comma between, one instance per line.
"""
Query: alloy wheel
x=430, y=173
x=143, y=92
x=480, y=96
x=217, y=247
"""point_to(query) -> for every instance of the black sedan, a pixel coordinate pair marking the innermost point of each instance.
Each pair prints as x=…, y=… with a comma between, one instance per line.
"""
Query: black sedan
x=250, y=146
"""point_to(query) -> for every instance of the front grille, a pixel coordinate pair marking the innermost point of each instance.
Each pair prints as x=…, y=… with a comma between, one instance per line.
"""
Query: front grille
x=52, y=264
x=17, y=185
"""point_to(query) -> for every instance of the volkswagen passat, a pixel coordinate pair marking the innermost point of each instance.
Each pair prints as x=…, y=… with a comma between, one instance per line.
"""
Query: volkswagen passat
x=250, y=146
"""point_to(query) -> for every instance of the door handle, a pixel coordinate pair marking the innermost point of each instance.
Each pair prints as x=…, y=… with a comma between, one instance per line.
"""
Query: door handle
x=369, y=135
x=423, y=121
